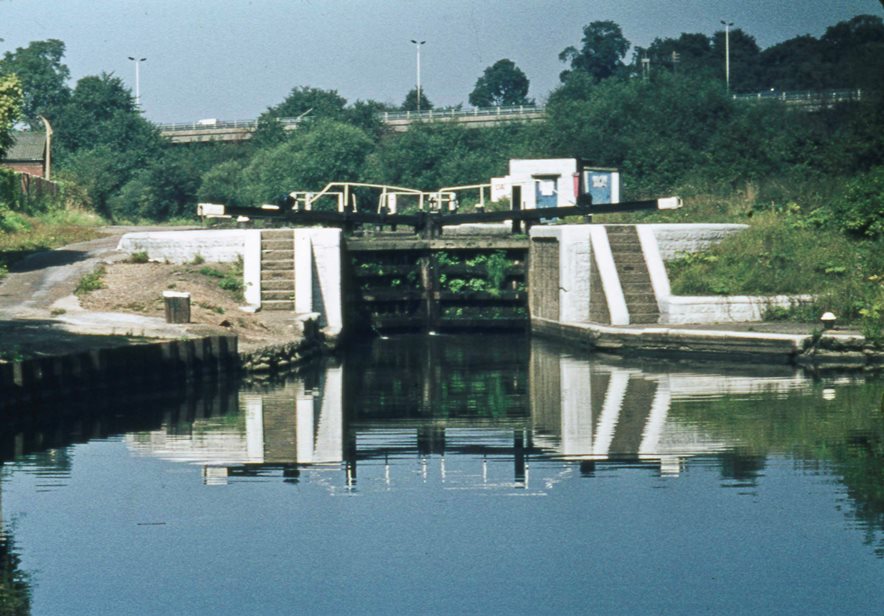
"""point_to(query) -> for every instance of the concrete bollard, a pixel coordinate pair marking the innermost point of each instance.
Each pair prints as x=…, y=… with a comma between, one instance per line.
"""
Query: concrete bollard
x=177, y=305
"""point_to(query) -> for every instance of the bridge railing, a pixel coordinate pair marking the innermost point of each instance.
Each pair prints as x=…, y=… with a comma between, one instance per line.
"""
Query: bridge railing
x=514, y=112
x=431, y=114
x=249, y=125
x=809, y=96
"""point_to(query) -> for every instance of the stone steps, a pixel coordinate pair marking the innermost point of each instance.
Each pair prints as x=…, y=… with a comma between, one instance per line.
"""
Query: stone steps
x=277, y=305
x=277, y=269
x=277, y=234
x=630, y=276
x=269, y=265
x=635, y=281
x=268, y=275
x=277, y=255
x=280, y=244
x=272, y=296
x=280, y=284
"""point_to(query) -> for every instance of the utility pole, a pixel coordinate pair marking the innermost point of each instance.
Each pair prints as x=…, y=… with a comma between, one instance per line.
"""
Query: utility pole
x=727, y=53
x=137, y=62
x=646, y=68
x=418, y=45
x=676, y=58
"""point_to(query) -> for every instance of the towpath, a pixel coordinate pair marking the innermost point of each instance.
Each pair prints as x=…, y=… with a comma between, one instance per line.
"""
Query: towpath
x=40, y=315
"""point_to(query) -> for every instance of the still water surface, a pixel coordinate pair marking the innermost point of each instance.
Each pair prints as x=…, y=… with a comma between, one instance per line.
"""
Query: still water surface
x=442, y=475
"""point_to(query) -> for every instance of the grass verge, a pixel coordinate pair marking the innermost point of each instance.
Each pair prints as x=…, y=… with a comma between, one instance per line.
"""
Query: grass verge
x=22, y=235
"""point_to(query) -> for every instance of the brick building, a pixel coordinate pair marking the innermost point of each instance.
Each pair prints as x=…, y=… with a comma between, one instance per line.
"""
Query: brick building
x=28, y=154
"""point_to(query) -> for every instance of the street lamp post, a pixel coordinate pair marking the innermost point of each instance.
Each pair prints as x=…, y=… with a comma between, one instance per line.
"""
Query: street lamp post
x=137, y=62
x=418, y=44
x=727, y=53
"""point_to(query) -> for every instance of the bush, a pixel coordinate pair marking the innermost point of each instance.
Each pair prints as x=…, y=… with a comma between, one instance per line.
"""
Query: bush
x=91, y=282
x=9, y=190
x=781, y=253
x=860, y=210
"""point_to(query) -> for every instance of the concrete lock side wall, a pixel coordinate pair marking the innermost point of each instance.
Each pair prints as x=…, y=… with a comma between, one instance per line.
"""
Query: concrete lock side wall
x=577, y=245
x=659, y=242
x=124, y=367
x=675, y=239
x=574, y=255
x=251, y=267
x=662, y=242
x=223, y=246
x=318, y=276
x=318, y=264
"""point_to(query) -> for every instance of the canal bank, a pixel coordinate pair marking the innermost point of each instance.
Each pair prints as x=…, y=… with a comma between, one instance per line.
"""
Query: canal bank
x=577, y=291
x=804, y=345
x=52, y=348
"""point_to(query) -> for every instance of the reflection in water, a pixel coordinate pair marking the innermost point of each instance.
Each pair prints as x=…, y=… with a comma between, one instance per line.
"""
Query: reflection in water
x=15, y=590
x=428, y=399
x=430, y=438
x=419, y=398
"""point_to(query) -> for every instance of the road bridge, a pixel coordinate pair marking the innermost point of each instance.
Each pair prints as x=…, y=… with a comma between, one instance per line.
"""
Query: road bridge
x=478, y=117
x=398, y=121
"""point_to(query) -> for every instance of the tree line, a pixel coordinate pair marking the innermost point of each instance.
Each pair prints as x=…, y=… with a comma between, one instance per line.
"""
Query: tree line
x=668, y=123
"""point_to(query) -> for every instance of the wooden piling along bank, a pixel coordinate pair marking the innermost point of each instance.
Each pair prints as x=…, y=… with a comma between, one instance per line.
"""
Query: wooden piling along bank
x=131, y=367
x=396, y=284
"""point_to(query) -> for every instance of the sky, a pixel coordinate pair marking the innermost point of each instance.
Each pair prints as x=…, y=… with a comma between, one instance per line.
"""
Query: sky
x=232, y=59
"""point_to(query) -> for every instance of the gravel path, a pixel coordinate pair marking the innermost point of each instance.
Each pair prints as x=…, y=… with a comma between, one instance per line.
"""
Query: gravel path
x=40, y=315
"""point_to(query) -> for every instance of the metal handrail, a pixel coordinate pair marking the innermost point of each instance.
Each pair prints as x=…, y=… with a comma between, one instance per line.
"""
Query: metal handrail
x=384, y=116
x=807, y=95
x=432, y=114
x=503, y=112
x=223, y=124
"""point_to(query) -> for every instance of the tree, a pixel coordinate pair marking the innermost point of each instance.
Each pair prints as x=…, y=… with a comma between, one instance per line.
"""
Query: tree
x=223, y=183
x=410, y=102
x=310, y=102
x=796, y=64
x=601, y=56
x=435, y=154
x=689, y=54
x=43, y=78
x=367, y=116
x=165, y=188
x=656, y=132
x=101, y=110
x=502, y=83
x=327, y=151
x=744, y=59
x=103, y=140
x=855, y=51
x=99, y=171
x=10, y=107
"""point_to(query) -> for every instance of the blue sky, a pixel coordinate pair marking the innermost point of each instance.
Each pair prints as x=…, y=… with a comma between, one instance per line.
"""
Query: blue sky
x=231, y=59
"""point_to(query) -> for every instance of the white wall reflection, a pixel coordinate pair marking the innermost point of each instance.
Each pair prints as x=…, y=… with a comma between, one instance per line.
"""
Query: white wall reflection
x=574, y=408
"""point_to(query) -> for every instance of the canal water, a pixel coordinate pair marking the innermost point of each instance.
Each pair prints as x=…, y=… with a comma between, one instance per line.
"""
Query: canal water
x=456, y=475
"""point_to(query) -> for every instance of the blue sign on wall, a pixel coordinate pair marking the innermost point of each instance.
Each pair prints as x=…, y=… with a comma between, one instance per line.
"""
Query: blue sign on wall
x=603, y=185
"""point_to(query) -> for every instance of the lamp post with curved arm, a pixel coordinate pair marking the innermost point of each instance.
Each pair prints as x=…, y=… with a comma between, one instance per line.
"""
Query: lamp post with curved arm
x=727, y=53
x=418, y=45
x=137, y=62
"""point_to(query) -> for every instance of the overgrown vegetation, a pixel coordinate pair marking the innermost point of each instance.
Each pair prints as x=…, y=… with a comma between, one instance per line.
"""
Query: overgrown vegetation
x=21, y=234
x=790, y=253
x=230, y=279
x=91, y=281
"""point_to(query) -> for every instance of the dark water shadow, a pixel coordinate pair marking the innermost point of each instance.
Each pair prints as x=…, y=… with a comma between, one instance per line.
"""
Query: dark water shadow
x=31, y=261
x=28, y=338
